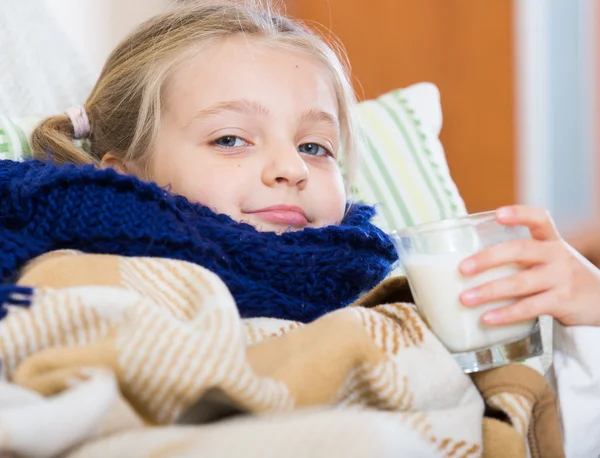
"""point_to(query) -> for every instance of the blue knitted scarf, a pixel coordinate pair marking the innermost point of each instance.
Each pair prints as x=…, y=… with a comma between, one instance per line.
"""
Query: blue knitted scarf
x=296, y=275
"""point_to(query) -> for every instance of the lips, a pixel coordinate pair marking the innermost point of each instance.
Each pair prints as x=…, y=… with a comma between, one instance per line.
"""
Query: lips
x=282, y=214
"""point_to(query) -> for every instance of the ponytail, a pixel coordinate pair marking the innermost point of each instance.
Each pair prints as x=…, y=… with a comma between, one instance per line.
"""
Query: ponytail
x=53, y=140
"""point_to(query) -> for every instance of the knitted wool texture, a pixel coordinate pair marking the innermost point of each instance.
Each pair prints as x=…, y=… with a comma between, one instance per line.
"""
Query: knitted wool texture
x=297, y=275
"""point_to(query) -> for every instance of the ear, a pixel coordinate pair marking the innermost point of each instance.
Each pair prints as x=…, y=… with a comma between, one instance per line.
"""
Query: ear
x=114, y=162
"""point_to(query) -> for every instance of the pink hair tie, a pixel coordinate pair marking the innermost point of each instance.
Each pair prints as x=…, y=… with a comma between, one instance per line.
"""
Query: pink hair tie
x=80, y=121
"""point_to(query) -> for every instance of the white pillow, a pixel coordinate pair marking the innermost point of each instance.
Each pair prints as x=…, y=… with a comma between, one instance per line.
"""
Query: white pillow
x=404, y=170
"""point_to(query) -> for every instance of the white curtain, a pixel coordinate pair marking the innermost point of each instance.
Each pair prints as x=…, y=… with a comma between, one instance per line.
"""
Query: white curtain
x=51, y=51
x=41, y=72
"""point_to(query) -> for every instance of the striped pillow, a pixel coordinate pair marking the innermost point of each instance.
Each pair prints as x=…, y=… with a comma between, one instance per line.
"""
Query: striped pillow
x=405, y=171
x=14, y=137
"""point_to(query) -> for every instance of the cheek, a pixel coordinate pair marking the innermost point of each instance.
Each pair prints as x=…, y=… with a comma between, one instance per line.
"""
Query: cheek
x=332, y=198
x=214, y=190
x=199, y=182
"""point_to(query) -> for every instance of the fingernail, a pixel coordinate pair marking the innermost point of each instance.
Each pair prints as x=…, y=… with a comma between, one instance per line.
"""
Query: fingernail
x=468, y=266
x=504, y=212
x=469, y=297
x=490, y=317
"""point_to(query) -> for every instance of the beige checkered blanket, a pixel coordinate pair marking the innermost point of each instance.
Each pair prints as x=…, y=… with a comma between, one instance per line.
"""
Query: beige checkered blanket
x=140, y=357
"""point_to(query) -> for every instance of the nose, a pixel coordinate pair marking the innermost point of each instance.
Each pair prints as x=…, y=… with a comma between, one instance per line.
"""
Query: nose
x=285, y=166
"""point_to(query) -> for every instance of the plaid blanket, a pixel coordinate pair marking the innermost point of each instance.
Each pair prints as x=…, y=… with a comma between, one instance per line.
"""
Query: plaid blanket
x=125, y=351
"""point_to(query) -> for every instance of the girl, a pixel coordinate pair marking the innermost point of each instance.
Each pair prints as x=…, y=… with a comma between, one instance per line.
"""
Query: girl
x=198, y=100
x=250, y=114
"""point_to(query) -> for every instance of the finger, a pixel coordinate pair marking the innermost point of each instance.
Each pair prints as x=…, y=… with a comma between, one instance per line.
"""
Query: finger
x=523, y=310
x=537, y=219
x=524, y=283
x=526, y=253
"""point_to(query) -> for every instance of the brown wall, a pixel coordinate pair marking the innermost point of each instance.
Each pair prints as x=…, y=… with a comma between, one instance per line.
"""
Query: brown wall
x=463, y=46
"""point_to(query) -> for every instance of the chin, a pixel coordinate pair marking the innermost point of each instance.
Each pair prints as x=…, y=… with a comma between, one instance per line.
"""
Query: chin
x=277, y=228
x=266, y=226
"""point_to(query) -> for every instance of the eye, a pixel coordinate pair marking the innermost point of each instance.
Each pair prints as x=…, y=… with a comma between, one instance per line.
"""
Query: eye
x=229, y=141
x=314, y=149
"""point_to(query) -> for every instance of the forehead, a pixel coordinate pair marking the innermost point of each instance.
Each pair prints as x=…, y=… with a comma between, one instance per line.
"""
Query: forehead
x=283, y=79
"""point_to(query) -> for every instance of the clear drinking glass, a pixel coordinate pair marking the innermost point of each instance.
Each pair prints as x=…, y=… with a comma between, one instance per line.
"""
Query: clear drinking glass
x=430, y=254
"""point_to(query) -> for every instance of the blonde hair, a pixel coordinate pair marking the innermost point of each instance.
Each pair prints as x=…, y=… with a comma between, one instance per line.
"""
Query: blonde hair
x=124, y=108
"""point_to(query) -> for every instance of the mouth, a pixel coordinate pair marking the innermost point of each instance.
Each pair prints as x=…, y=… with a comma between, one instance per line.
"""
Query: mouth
x=282, y=214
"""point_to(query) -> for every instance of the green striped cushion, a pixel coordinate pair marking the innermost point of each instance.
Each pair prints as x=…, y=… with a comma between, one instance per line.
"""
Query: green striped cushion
x=404, y=170
x=14, y=137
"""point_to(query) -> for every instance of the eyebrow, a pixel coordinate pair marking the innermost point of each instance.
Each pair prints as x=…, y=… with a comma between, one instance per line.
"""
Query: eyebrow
x=253, y=108
x=320, y=116
x=240, y=106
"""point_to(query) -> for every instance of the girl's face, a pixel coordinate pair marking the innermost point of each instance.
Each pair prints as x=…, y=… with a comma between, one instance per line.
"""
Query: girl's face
x=252, y=131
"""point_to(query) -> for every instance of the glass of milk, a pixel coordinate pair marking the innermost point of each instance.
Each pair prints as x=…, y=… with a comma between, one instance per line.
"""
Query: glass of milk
x=430, y=255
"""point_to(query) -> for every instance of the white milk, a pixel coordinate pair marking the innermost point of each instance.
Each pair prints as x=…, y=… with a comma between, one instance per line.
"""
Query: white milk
x=436, y=284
